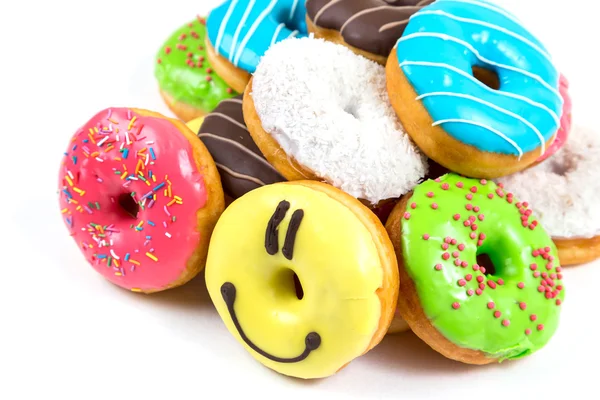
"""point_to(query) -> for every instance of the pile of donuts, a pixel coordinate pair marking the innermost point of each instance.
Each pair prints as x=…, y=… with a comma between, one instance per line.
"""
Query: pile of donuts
x=343, y=170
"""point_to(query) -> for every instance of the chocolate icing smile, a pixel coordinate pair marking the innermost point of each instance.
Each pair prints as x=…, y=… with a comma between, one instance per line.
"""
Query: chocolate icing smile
x=311, y=342
x=370, y=25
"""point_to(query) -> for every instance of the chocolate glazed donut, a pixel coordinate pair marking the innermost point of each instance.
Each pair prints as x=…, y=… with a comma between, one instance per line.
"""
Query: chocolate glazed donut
x=241, y=165
x=369, y=27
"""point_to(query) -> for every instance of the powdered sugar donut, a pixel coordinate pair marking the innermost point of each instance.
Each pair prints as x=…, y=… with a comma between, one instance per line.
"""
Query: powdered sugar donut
x=563, y=191
x=318, y=111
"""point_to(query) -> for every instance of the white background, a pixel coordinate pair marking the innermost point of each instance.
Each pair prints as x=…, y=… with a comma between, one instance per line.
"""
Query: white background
x=66, y=333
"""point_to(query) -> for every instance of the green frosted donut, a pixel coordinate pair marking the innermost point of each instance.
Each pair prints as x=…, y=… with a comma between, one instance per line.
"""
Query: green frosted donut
x=184, y=72
x=448, y=227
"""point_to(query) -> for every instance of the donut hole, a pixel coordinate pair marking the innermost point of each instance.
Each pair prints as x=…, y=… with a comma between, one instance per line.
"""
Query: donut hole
x=293, y=24
x=485, y=261
x=287, y=284
x=487, y=76
x=128, y=206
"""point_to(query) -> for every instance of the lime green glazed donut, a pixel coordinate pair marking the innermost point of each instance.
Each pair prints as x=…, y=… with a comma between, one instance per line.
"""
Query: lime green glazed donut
x=185, y=75
x=504, y=308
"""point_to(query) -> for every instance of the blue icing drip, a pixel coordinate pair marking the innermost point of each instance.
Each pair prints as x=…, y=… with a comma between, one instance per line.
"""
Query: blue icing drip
x=243, y=30
x=440, y=46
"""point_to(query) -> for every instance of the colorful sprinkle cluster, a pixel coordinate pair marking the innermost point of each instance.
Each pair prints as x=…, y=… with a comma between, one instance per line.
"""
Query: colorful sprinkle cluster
x=472, y=217
x=108, y=161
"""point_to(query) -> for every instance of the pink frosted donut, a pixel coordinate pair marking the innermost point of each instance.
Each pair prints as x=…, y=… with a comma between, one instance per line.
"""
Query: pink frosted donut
x=565, y=120
x=140, y=195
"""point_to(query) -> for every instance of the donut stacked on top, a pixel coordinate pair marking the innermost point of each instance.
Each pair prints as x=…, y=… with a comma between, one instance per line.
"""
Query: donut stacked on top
x=377, y=159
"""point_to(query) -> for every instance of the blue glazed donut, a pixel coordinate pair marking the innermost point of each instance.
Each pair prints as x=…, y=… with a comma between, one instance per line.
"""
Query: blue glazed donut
x=241, y=31
x=437, y=53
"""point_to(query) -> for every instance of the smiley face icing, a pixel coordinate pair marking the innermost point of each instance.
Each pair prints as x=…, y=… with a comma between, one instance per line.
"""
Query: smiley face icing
x=304, y=276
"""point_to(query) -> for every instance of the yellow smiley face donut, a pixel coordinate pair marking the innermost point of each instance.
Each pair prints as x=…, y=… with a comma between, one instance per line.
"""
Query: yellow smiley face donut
x=304, y=276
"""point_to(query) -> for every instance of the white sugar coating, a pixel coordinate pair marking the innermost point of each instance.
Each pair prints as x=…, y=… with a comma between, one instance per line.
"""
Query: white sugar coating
x=328, y=108
x=564, y=189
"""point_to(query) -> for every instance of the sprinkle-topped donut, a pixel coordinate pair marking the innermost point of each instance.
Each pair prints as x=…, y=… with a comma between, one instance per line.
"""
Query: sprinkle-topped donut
x=483, y=79
x=241, y=165
x=369, y=27
x=480, y=278
x=564, y=193
x=133, y=186
x=242, y=30
x=186, y=78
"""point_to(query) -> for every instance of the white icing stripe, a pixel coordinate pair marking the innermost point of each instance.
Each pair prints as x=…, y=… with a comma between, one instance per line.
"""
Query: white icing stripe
x=294, y=33
x=277, y=32
x=495, y=107
x=488, y=6
x=253, y=29
x=228, y=118
x=364, y=12
x=392, y=25
x=554, y=116
x=239, y=29
x=224, y=25
x=487, y=25
x=489, y=128
x=241, y=147
x=481, y=58
x=240, y=176
x=323, y=9
x=293, y=10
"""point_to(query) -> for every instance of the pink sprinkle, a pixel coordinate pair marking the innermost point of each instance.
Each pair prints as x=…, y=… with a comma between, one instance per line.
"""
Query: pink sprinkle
x=468, y=277
x=522, y=305
x=469, y=196
x=464, y=264
x=535, y=253
x=445, y=186
x=413, y=205
x=520, y=285
x=533, y=267
x=456, y=217
x=434, y=206
x=457, y=262
x=559, y=276
x=547, y=249
x=476, y=209
x=551, y=258
x=500, y=281
x=445, y=246
x=462, y=282
x=461, y=247
x=473, y=189
x=474, y=227
x=541, y=288
x=482, y=236
x=459, y=185
x=482, y=269
x=479, y=292
x=479, y=279
x=490, y=196
x=481, y=217
x=536, y=274
x=446, y=256
x=426, y=236
x=467, y=223
x=453, y=241
x=505, y=322
x=475, y=267
x=558, y=269
x=497, y=314
x=526, y=204
x=528, y=331
x=492, y=284
x=472, y=235
x=558, y=302
x=406, y=215
x=167, y=50
x=540, y=327
x=491, y=305
x=455, y=254
x=438, y=267
x=470, y=292
x=455, y=305
x=472, y=218
x=430, y=194
x=483, y=182
x=548, y=294
x=448, y=239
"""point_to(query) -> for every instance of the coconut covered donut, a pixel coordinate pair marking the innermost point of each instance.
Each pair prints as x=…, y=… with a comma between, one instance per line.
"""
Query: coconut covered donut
x=318, y=111
x=563, y=191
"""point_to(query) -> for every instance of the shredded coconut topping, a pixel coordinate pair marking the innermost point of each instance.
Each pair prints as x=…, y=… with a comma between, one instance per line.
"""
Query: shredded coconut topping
x=328, y=108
